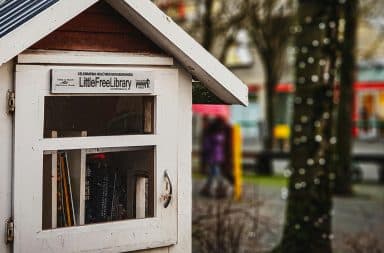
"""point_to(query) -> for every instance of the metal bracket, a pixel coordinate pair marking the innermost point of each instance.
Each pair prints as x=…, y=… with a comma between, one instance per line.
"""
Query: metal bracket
x=11, y=101
x=9, y=231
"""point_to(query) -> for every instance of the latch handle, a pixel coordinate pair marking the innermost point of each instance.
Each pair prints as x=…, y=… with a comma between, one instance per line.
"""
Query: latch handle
x=168, y=196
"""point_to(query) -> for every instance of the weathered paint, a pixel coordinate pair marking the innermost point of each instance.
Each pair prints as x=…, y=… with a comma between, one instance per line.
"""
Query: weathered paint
x=184, y=214
x=6, y=82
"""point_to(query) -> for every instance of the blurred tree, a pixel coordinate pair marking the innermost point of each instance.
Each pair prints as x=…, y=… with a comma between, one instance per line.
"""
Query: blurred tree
x=309, y=208
x=343, y=154
x=269, y=23
x=372, y=11
x=214, y=24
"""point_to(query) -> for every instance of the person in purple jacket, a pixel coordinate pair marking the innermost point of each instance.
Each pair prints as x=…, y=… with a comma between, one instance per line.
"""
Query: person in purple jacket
x=214, y=148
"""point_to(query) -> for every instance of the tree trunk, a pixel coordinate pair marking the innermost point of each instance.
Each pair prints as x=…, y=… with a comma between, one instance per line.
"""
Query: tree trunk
x=264, y=162
x=381, y=173
x=208, y=34
x=308, y=215
x=343, y=156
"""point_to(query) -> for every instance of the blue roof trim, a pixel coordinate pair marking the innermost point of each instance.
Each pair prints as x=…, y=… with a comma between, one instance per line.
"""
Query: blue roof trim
x=14, y=13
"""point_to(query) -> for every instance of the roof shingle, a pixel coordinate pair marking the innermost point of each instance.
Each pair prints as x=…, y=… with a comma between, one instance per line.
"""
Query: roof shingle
x=14, y=13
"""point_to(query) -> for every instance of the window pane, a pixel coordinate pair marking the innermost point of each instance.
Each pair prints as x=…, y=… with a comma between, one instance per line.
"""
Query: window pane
x=91, y=186
x=73, y=116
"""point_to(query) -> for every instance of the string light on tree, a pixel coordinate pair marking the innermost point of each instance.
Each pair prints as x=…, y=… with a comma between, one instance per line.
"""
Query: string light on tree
x=322, y=161
x=315, y=43
x=298, y=128
x=308, y=19
x=315, y=77
x=304, y=119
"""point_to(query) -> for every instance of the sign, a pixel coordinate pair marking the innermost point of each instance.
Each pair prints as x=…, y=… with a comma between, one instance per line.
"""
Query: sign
x=101, y=81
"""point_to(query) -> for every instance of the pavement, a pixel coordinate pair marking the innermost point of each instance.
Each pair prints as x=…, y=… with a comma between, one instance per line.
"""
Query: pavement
x=358, y=221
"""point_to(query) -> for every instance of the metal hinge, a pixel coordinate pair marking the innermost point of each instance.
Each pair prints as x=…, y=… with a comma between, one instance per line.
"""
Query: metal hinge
x=11, y=101
x=9, y=231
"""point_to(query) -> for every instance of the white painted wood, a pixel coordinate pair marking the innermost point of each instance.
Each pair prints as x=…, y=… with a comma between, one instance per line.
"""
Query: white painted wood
x=184, y=156
x=140, y=197
x=153, y=23
x=6, y=141
x=92, y=58
x=159, y=70
x=94, y=142
x=39, y=26
x=32, y=84
x=184, y=221
x=158, y=250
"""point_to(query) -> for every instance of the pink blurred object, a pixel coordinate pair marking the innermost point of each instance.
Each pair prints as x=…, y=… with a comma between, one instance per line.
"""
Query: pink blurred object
x=212, y=110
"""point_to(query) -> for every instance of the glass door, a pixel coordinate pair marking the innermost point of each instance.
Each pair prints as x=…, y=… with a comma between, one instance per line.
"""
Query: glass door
x=94, y=171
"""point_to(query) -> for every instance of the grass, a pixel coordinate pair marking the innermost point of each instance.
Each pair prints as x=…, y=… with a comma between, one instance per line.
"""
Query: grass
x=370, y=191
x=276, y=181
x=250, y=178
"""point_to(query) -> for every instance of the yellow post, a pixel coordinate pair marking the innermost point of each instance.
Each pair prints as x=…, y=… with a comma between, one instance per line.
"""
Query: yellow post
x=237, y=163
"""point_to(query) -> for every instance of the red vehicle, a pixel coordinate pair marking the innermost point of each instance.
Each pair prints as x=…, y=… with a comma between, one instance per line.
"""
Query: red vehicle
x=368, y=108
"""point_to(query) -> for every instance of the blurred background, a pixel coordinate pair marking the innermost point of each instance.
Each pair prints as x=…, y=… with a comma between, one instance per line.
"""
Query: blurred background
x=298, y=154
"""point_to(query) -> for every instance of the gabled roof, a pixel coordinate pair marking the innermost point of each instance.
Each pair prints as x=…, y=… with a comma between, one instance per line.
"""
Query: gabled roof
x=146, y=17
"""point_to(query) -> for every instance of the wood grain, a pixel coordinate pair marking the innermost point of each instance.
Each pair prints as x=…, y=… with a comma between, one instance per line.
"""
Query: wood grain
x=99, y=28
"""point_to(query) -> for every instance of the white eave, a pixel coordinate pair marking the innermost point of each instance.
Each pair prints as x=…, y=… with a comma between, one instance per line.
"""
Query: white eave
x=154, y=24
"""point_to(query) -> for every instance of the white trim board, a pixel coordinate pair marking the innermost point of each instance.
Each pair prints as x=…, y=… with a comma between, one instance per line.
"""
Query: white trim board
x=154, y=24
x=94, y=58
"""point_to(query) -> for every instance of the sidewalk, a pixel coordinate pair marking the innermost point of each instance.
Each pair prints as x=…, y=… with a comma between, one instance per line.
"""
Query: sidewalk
x=362, y=214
